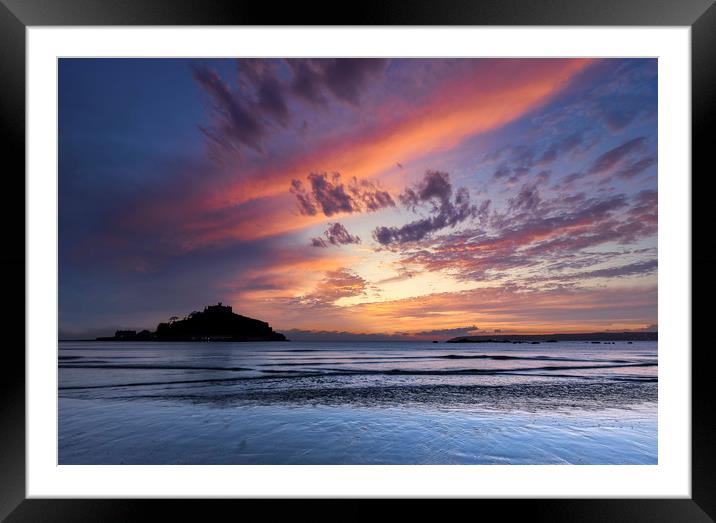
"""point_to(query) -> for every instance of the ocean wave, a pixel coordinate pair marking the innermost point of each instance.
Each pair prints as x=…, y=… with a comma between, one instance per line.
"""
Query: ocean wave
x=530, y=397
x=278, y=374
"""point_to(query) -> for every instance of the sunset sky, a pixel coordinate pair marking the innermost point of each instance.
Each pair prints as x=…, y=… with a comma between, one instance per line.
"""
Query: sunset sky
x=410, y=197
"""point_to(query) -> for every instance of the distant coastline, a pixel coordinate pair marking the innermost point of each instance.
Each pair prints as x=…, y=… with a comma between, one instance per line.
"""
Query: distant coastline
x=595, y=337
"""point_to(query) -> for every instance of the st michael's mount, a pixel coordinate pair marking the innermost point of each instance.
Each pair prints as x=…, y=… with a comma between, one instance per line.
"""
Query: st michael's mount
x=214, y=323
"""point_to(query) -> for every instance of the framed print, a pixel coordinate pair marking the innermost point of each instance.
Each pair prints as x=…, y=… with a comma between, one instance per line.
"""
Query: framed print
x=440, y=254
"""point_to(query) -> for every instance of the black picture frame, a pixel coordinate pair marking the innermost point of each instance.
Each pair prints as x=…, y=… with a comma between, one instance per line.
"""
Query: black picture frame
x=17, y=15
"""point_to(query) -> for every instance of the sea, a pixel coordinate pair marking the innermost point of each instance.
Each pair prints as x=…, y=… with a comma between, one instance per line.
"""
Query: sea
x=364, y=403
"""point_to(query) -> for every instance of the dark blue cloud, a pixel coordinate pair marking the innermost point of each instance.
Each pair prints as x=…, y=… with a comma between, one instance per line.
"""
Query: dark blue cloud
x=330, y=195
x=260, y=77
x=343, y=78
x=234, y=123
x=615, y=156
x=435, y=192
x=635, y=167
x=517, y=161
x=335, y=234
x=527, y=199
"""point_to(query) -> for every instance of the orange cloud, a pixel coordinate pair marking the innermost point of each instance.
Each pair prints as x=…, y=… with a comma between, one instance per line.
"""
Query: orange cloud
x=256, y=205
x=469, y=106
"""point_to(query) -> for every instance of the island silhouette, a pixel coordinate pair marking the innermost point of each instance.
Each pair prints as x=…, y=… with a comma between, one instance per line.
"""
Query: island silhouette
x=214, y=323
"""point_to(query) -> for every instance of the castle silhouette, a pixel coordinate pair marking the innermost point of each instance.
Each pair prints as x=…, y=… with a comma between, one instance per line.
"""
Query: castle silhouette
x=215, y=323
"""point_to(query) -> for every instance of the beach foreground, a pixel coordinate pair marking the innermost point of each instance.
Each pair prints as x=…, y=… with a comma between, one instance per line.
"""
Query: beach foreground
x=357, y=403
